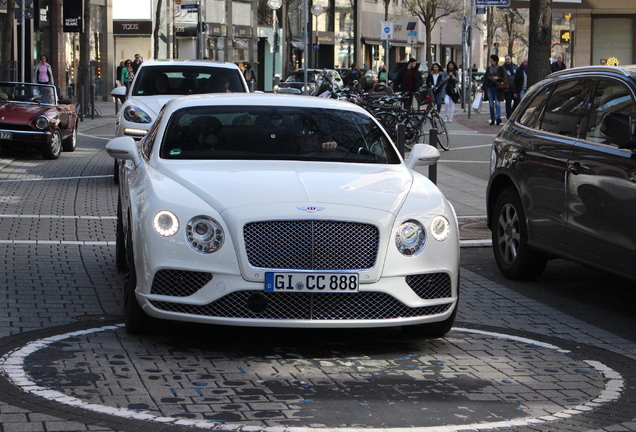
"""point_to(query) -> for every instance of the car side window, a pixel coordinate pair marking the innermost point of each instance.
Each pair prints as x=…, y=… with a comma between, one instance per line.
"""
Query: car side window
x=534, y=109
x=564, y=110
x=151, y=137
x=611, y=99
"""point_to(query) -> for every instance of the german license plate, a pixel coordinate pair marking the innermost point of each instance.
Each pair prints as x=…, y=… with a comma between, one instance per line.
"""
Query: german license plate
x=5, y=135
x=312, y=282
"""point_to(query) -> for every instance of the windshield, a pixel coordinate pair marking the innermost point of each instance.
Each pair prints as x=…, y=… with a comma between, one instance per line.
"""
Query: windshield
x=299, y=77
x=184, y=80
x=28, y=93
x=276, y=133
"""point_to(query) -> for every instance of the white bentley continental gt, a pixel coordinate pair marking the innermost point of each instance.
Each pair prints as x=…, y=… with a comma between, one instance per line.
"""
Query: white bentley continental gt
x=281, y=211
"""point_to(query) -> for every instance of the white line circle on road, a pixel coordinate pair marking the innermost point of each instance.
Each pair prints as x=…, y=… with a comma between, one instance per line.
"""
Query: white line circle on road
x=12, y=365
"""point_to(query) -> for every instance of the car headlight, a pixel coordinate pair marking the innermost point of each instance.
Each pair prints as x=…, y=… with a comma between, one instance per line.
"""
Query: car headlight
x=204, y=234
x=166, y=223
x=136, y=115
x=410, y=238
x=440, y=228
x=42, y=123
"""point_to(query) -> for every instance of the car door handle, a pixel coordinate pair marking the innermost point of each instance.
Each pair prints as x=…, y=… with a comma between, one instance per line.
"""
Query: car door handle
x=575, y=167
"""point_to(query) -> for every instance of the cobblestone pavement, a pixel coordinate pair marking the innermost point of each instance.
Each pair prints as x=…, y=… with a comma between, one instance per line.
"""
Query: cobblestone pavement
x=511, y=363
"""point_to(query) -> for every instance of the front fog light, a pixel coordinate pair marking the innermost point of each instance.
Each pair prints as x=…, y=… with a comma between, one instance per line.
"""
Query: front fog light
x=440, y=228
x=204, y=234
x=410, y=238
x=166, y=223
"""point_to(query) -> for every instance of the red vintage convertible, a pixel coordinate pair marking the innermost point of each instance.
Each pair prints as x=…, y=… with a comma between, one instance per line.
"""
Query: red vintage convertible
x=32, y=115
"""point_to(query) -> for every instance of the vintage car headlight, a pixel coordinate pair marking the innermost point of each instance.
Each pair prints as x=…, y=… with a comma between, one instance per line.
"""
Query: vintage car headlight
x=204, y=234
x=166, y=223
x=42, y=123
x=136, y=115
x=440, y=228
x=410, y=238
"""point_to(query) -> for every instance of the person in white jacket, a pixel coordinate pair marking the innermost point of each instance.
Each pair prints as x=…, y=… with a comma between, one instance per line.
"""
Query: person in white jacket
x=43, y=74
x=451, y=92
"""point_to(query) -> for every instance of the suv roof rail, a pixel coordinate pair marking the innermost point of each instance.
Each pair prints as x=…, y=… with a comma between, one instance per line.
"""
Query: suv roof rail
x=627, y=70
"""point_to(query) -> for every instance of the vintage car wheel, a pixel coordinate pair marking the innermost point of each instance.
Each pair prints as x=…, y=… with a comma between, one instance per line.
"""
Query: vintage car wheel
x=120, y=242
x=136, y=320
x=70, y=143
x=53, y=150
x=515, y=259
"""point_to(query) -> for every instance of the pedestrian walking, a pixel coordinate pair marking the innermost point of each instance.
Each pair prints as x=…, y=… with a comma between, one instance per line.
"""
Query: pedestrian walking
x=136, y=63
x=127, y=74
x=382, y=75
x=408, y=80
x=521, y=80
x=493, y=86
x=118, y=73
x=558, y=64
x=510, y=69
x=451, y=91
x=43, y=74
x=434, y=81
x=250, y=78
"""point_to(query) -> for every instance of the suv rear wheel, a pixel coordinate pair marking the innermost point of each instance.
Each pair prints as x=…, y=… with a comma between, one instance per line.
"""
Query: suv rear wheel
x=515, y=259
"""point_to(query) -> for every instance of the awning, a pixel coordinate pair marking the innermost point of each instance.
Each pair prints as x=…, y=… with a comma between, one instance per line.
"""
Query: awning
x=299, y=45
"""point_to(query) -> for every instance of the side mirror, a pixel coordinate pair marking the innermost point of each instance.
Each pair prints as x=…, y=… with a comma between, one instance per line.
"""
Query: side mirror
x=119, y=93
x=123, y=148
x=422, y=155
x=617, y=128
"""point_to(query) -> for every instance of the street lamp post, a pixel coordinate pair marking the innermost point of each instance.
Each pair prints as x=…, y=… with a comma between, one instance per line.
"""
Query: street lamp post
x=441, y=28
x=274, y=5
x=316, y=11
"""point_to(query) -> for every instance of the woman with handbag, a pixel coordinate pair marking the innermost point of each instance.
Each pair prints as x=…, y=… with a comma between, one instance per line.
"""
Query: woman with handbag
x=494, y=85
x=451, y=91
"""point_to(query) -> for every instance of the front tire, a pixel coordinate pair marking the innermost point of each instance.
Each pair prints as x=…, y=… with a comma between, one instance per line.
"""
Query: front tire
x=53, y=150
x=136, y=321
x=515, y=259
x=442, y=133
x=70, y=143
x=120, y=242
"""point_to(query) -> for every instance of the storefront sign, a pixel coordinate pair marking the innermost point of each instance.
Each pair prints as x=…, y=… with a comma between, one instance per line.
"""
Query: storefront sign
x=124, y=27
x=42, y=15
x=185, y=30
x=72, y=14
x=215, y=29
x=243, y=31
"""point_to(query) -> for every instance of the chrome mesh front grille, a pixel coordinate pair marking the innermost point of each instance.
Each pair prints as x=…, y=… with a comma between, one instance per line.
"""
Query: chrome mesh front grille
x=305, y=306
x=178, y=283
x=430, y=286
x=311, y=245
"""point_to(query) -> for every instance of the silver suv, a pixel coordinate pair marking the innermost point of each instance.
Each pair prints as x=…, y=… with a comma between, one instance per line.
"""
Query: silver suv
x=563, y=182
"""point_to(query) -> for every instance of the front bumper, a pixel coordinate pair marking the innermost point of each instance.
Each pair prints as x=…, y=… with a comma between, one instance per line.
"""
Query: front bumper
x=38, y=137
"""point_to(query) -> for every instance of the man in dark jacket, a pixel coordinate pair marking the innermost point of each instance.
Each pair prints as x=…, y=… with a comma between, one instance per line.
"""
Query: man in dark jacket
x=521, y=80
x=558, y=64
x=408, y=80
x=510, y=69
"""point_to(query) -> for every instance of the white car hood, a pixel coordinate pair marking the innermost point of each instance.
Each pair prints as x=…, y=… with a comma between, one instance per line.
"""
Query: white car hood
x=234, y=184
x=151, y=104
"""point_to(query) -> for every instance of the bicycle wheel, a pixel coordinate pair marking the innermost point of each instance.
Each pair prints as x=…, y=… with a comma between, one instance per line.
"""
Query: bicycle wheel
x=442, y=133
x=414, y=129
x=389, y=121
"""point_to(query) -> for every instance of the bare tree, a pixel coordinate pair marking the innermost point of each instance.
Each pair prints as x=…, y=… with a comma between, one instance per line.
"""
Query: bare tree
x=514, y=25
x=429, y=13
x=155, y=31
x=539, y=48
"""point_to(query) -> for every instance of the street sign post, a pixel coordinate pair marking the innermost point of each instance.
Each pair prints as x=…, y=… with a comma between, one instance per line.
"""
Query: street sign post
x=499, y=3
